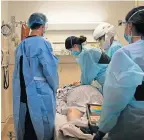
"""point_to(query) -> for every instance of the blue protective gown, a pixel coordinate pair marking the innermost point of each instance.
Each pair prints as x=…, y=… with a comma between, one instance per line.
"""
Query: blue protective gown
x=90, y=69
x=41, y=81
x=113, y=48
x=122, y=115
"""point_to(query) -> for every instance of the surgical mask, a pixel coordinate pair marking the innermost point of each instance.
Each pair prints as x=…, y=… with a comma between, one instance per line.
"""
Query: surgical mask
x=128, y=38
x=75, y=53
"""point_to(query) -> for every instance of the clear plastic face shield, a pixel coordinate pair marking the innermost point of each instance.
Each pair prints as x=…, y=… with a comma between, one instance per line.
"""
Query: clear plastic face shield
x=123, y=23
x=108, y=32
x=45, y=28
x=101, y=41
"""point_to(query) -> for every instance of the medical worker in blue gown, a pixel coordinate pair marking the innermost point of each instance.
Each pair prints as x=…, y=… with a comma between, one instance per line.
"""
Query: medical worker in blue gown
x=123, y=109
x=93, y=62
x=105, y=33
x=35, y=81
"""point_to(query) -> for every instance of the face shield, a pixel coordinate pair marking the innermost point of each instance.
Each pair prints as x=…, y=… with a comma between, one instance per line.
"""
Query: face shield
x=101, y=40
x=46, y=27
x=103, y=34
x=104, y=41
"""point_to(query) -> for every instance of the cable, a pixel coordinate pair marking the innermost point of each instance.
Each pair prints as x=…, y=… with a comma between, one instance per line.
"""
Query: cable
x=5, y=73
x=2, y=54
x=6, y=77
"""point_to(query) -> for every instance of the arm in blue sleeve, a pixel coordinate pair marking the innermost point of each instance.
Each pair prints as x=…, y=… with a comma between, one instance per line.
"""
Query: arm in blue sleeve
x=49, y=63
x=89, y=66
x=113, y=49
x=123, y=76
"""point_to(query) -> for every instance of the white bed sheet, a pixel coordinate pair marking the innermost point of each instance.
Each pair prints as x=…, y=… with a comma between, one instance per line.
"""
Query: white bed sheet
x=69, y=128
x=60, y=120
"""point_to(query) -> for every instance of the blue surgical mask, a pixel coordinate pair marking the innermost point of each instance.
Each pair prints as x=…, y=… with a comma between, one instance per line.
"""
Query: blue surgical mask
x=128, y=38
x=75, y=53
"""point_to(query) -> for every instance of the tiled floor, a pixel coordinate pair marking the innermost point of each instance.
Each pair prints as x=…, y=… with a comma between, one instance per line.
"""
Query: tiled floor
x=10, y=128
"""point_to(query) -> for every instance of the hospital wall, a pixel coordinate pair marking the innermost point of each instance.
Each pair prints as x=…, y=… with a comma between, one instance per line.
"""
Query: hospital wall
x=6, y=95
x=70, y=11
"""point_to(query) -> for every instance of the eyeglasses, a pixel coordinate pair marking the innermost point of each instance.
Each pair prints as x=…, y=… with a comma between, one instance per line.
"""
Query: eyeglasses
x=120, y=22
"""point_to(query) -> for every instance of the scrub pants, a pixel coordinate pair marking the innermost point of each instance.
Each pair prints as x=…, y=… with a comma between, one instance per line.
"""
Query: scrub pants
x=29, y=129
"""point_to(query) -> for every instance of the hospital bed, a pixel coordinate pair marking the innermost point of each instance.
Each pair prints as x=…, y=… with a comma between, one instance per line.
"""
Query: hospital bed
x=77, y=97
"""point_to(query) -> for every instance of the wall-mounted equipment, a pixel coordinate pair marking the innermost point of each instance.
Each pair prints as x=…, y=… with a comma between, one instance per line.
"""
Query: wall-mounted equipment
x=6, y=30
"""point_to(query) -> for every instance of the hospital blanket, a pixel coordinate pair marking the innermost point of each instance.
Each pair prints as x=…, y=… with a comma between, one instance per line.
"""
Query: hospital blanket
x=62, y=94
x=77, y=97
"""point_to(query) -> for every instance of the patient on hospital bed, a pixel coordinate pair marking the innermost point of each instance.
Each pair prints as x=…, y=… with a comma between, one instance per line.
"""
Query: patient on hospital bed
x=71, y=108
